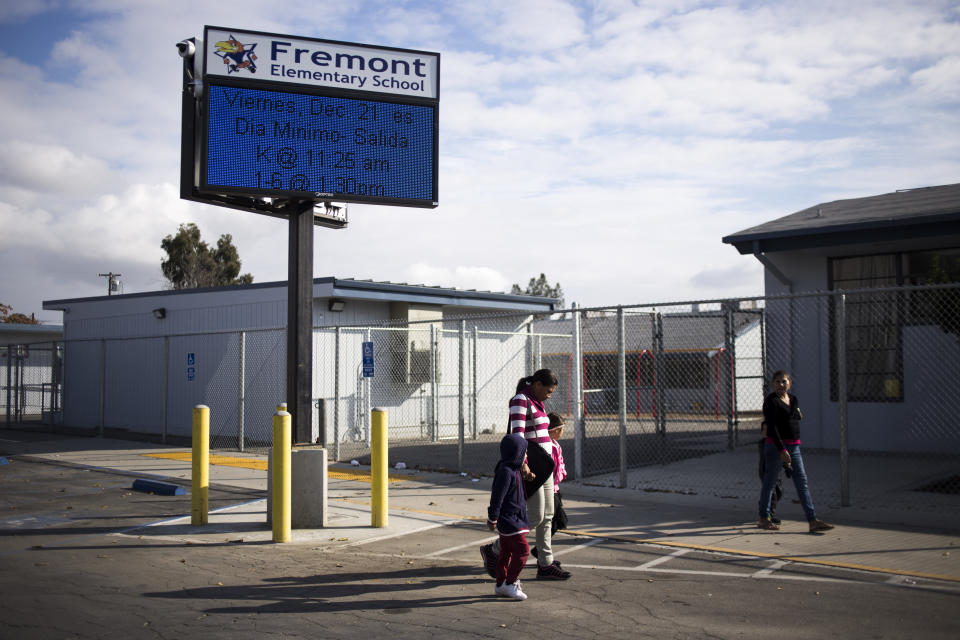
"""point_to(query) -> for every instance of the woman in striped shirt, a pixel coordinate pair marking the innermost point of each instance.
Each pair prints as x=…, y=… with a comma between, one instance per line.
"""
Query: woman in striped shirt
x=529, y=418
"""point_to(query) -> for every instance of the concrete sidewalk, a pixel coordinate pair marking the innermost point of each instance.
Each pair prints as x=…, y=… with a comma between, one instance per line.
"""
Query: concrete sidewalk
x=922, y=543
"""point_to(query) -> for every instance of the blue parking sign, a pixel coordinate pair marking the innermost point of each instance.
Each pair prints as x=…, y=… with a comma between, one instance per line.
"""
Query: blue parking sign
x=367, y=359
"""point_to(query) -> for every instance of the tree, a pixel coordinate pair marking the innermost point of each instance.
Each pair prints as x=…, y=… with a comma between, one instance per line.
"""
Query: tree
x=191, y=263
x=15, y=318
x=540, y=287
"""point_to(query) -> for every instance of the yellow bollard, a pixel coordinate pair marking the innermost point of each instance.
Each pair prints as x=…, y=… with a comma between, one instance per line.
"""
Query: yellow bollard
x=378, y=469
x=282, y=492
x=200, y=487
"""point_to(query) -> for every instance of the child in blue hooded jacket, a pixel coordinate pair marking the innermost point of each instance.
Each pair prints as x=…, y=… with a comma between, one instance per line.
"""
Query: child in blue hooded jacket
x=508, y=515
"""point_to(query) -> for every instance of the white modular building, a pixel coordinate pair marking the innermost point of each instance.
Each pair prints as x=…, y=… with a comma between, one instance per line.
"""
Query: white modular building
x=140, y=362
x=876, y=280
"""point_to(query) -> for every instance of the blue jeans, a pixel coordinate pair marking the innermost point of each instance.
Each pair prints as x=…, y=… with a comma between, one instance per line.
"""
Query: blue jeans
x=772, y=467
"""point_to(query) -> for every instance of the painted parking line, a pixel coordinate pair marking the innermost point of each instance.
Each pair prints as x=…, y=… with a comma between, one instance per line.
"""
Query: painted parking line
x=531, y=561
x=778, y=568
x=184, y=518
x=774, y=566
x=578, y=547
x=661, y=560
x=478, y=543
x=758, y=554
x=399, y=534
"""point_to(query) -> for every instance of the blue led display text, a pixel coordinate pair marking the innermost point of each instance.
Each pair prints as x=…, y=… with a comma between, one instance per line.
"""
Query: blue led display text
x=277, y=141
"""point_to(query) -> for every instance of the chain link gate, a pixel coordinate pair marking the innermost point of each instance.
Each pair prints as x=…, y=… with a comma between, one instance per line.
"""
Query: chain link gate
x=31, y=389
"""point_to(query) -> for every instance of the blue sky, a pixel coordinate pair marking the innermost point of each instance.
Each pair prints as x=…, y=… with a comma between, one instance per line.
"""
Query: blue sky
x=609, y=144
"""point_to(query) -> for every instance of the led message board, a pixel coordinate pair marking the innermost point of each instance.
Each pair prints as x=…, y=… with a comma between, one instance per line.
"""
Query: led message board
x=319, y=146
x=292, y=117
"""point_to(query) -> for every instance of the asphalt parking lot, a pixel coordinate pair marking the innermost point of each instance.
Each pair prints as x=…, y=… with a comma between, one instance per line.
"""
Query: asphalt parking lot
x=84, y=556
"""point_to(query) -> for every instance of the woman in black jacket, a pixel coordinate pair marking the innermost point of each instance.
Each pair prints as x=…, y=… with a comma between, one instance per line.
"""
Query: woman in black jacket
x=781, y=412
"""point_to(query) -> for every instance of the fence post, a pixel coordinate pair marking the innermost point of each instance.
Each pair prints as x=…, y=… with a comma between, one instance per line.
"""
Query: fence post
x=53, y=381
x=577, y=394
x=103, y=383
x=728, y=344
x=165, y=389
x=242, y=400
x=622, y=393
x=9, y=381
x=61, y=374
x=21, y=403
x=336, y=395
x=659, y=396
x=475, y=418
x=368, y=400
x=531, y=356
x=461, y=414
x=842, y=397
x=434, y=404
x=200, y=459
x=539, y=351
x=763, y=351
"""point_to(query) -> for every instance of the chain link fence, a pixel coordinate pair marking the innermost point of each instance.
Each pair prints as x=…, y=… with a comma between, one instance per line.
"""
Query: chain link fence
x=660, y=398
x=31, y=375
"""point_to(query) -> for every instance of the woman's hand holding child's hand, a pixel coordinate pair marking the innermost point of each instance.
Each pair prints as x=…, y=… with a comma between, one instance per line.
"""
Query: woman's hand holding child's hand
x=526, y=474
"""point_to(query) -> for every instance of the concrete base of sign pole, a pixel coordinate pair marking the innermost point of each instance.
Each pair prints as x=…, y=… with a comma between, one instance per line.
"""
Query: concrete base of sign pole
x=308, y=509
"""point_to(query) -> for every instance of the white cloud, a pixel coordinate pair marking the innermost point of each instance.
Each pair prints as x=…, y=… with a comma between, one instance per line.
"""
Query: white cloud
x=460, y=277
x=726, y=277
x=618, y=142
x=529, y=26
x=939, y=83
x=39, y=169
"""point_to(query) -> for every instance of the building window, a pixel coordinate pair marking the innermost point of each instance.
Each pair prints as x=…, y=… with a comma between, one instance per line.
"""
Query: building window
x=875, y=321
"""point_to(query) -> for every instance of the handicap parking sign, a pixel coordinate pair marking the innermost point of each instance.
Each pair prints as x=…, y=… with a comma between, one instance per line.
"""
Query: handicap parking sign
x=367, y=359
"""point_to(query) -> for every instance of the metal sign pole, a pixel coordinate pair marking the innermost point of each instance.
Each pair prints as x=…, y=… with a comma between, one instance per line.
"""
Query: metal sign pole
x=300, y=318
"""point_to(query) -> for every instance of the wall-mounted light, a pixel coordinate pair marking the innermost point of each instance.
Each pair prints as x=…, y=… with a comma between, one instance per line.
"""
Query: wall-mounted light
x=160, y=313
x=335, y=304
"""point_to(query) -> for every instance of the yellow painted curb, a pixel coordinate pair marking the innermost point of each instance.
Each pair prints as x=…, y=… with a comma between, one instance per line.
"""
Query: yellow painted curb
x=760, y=554
x=260, y=464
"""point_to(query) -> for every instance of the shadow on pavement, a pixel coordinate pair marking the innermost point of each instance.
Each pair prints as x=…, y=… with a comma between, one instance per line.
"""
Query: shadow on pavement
x=338, y=592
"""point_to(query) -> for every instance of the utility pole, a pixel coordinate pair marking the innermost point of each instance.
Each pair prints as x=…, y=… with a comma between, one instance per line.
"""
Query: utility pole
x=111, y=281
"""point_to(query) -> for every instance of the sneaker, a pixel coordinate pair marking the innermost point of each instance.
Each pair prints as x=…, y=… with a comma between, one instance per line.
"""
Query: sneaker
x=768, y=525
x=489, y=560
x=533, y=552
x=774, y=519
x=552, y=572
x=510, y=590
x=819, y=526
